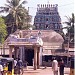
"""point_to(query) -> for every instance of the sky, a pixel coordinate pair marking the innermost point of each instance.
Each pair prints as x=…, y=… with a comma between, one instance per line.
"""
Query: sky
x=65, y=7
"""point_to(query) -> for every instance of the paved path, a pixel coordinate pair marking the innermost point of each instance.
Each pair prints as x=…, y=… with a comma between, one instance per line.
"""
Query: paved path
x=43, y=71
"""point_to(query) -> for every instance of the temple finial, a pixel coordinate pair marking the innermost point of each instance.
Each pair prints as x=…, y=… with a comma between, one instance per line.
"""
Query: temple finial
x=47, y=1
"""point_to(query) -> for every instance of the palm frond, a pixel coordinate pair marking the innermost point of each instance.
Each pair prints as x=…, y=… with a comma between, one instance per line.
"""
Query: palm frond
x=8, y=1
x=24, y=2
x=9, y=6
x=68, y=18
x=68, y=23
x=65, y=28
x=4, y=9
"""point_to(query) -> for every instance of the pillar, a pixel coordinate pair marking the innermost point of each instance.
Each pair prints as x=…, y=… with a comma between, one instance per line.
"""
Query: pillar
x=20, y=53
x=23, y=54
x=10, y=51
x=38, y=58
x=16, y=52
x=40, y=54
x=35, y=57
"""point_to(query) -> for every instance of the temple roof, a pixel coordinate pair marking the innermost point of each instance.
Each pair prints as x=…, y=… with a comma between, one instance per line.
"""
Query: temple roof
x=46, y=35
x=51, y=39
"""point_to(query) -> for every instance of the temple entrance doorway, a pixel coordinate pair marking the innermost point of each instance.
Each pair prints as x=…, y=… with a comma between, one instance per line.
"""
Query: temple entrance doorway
x=29, y=55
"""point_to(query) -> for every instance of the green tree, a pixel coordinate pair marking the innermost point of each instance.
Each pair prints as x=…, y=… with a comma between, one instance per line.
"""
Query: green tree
x=70, y=28
x=18, y=12
x=70, y=24
x=3, y=32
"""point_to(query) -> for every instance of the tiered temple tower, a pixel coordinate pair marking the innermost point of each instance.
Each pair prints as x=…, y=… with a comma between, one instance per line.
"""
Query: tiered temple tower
x=47, y=17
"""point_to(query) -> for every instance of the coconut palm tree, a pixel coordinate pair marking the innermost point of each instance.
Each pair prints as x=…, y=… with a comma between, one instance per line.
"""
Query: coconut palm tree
x=70, y=28
x=70, y=23
x=18, y=12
